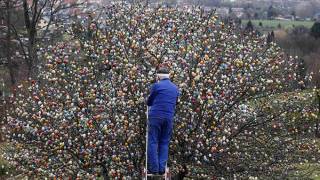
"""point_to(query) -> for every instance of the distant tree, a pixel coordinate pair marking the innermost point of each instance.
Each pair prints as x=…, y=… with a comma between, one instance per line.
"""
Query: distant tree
x=248, y=12
x=260, y=24
x=272, y=34
x=8, y=45
x=299, y=31
x=270, y=37
x=230, y=10
x=313, y=60
x=249, y=26
x=272, y=12
x=307, y=9
x=279, y=26
x=315, y=30
x=215, y=3
x=9, y=63
x=22, y=34
x=293, y=13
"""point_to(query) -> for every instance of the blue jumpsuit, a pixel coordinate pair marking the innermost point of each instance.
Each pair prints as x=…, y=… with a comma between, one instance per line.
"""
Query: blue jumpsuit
x=162, y=99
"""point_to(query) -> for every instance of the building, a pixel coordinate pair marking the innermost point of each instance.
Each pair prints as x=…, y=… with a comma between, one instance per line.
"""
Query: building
x=316, y=17
x=238, y=12
x=222, y=12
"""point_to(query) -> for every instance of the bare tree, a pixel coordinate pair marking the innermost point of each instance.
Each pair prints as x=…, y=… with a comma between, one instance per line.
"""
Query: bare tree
x=313, y=62
x=33, y=12
x=22, y=33
x=11, y=65
x=307, y=9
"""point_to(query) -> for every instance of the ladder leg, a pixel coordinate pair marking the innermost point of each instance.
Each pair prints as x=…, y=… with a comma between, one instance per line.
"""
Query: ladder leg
x=147, y=131
x=167, y=174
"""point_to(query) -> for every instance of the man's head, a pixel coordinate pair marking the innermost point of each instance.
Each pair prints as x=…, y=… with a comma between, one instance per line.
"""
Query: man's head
x=163, y=73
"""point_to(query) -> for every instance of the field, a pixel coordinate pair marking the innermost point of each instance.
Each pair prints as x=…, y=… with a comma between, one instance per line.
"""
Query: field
x=273, y=24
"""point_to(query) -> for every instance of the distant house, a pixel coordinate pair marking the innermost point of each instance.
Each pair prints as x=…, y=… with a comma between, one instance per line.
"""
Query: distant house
x=284, y=18
x=238, y=12
x=288, y=17
x=222, y=12
x=316, y=17
x=206, y=8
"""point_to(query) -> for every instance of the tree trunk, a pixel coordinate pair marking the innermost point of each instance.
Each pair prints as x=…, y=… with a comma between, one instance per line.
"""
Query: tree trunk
x=31, y=24
x=318, y=123
x=32, y=52
x=10, y=65
x=104, y=172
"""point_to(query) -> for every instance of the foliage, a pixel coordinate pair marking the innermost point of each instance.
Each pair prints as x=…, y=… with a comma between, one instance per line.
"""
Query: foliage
x=315, y=30
x=6, y=168
x=273, y=24
x=85, y=114
x=249, y=26
x=272, y=12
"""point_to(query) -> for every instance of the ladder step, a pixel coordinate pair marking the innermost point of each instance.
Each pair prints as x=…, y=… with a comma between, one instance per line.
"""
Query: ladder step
x=155, y=175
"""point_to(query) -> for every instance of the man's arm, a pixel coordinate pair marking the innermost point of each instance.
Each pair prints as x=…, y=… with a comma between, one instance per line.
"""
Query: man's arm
x=152, y=95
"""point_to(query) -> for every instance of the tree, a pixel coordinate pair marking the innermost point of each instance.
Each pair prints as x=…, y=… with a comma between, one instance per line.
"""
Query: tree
x=212, y=3
x=315, y=30
x=313, y=61
x=270, y=37
x=7, y=40
x=307, y=9
x=32, y=18
x=249, y=26
x=293, y=13
x=23, y=34
x=299, y=31
x=85, y=114
x=272, y=12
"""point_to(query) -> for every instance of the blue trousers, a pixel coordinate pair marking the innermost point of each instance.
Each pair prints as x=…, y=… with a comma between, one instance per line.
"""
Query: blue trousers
x=160, y=131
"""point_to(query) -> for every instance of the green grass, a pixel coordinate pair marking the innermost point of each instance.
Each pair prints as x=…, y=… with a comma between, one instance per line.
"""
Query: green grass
x=5, y=168
x=273, y=24
x=309, y=169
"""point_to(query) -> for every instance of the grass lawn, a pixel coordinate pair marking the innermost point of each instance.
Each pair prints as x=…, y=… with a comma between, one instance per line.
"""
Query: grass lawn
x=311, y=170
x=273, y=24
x=5, y=168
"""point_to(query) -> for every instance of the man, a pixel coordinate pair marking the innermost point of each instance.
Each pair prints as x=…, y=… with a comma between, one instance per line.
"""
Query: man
x=162, y=99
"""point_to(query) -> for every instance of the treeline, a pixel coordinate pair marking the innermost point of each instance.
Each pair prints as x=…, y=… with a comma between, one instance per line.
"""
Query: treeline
x=304, y=43
x=298, y=41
